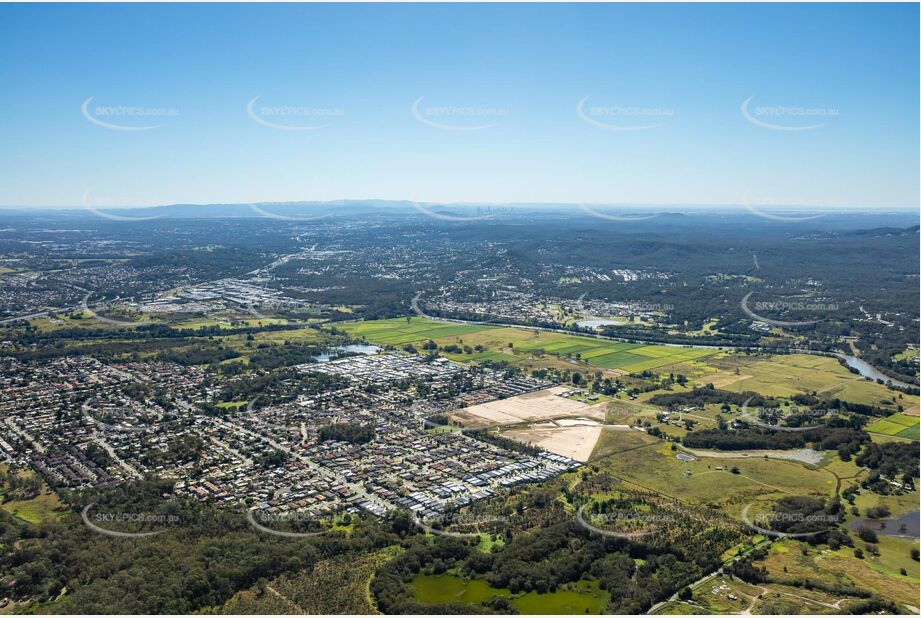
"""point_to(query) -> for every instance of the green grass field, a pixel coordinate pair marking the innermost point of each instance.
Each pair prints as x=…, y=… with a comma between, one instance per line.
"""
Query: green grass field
x=790, y=374
x=899, y=425
x=654, y=467
x=876, y=574
x=35, y=510
x=601, y=353
x=583, y=597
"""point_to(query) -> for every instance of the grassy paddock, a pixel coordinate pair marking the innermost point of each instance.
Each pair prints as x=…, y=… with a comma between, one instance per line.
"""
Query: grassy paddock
x=600, y=353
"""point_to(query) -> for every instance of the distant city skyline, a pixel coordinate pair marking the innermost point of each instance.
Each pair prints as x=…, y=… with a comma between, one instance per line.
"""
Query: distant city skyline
x=646, y=105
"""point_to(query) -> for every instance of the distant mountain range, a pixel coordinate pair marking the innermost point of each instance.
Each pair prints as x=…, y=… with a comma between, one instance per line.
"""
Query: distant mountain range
x=306, y=210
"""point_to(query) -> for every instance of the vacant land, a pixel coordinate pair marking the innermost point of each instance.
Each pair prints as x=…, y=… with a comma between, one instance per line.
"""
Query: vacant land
x=576, y=441
x=44, y=506
x=709, y=480
x=400, y=331
x=621, y=439
x=790, y=374
x=539, y=405
x=789, y=559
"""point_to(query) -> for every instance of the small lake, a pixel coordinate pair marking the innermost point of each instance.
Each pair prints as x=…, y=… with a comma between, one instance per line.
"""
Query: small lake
x=357, y=348
x=893, y=527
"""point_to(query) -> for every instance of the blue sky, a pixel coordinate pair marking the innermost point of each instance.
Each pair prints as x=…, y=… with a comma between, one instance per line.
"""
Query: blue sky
x=499, y=119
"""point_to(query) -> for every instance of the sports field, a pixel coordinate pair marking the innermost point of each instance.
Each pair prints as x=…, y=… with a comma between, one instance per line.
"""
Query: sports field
x=899, y=425
x=628, y=357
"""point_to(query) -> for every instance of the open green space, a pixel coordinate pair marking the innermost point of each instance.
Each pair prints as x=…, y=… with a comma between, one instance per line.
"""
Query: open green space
x=44, y=506
x=899, y=425
x=583, y=597
x=498, y=341
x=786, y=375
x=790, y=559
x=708, y=480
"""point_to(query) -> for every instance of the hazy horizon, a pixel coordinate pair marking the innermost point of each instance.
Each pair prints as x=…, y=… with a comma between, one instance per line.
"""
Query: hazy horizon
x=813, y=105
x=465, y=204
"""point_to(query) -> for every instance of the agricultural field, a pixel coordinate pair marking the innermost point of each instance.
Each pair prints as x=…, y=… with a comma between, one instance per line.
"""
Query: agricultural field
x=516, y=343
x=899, y=425
x=401, y=331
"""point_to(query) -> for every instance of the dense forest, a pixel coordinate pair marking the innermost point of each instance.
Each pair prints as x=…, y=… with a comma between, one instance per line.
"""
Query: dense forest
x=203, y=556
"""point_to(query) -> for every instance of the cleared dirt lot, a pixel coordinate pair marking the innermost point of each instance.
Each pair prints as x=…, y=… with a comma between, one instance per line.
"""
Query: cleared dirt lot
x=536, y=406
x=542, y=418
x=576, y=442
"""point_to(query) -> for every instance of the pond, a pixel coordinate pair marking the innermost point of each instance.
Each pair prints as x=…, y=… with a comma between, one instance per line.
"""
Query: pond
x=907, y=525
x=357, y=348
x=582, y=597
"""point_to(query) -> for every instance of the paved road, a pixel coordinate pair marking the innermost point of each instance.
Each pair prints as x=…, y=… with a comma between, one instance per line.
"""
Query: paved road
x=338, y=478
x=22, y=434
